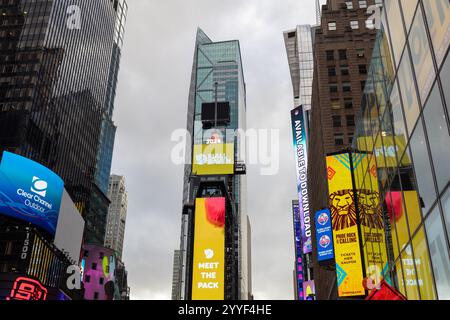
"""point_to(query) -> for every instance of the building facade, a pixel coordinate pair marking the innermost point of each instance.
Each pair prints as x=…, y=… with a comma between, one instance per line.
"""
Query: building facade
x=117, y=214
x=217, y=79
x=44, y=74
x=342, y=47
x=404, y=127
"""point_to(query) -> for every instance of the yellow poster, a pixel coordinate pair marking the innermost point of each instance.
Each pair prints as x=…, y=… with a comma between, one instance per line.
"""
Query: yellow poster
x=208, y=277
x=213, y=159
x=345, y=229
x=385, y=150
x=372, y=224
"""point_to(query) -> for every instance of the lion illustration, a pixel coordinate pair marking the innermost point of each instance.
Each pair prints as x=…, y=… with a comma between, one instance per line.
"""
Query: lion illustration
x=343, y=210
x=369, y=209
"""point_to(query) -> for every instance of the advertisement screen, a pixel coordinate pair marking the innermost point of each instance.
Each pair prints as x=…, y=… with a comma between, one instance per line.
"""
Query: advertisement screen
x=309, y=288
x=208, y=277
x=300, y=135
x=349, y=269
x=324, y=236
x=30, y=192
x=213, y=159
x=372, y=224
x=386, y=150
x=298, y=249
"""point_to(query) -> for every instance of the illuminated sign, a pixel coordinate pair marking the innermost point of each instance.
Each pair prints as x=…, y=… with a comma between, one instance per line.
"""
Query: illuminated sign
x=324, y=236
x=30, y=192
x=213, y=158
x=301, y=160
x=385, y=150
x=28, y=289
x=209, y=249
x=309, y=288
x=385, y=293
x=349, y=269
x=298, y=249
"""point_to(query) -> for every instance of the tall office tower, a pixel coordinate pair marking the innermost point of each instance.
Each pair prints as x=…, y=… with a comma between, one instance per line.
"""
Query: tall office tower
x=117, y=214
x=216, y=109
x=58, y=71
x=299, y=48
x=343, y=47
x=176, y=276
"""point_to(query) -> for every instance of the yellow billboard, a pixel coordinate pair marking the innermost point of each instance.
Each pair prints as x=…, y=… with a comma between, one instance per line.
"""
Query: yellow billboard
x=208, y=276
x=372, y=224
x=349, y=269
x=213, y=159
x=386, y=150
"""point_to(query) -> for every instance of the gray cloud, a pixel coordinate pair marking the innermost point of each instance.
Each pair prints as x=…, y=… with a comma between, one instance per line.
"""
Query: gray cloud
x=152, y=102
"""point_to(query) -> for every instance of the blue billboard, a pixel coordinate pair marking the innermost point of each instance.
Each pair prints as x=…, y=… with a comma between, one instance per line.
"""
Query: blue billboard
x=298, y=250
x=324, y=236
x=30, y=192
x=300, y=137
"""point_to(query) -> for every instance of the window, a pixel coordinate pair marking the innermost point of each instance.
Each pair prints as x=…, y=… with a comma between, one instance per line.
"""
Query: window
x=335, y=104
x=350, y=138
x=86, y=253
x=332, y=26
x=344, y=70
x=87, y=279
x=101, y=255
x=362, y=69
x=291, y=35
x=360, y=53
x=436, y=123
x=346, y=87
x=94, y=266
x=348, y=104
x=331, y=71
x=333, y=88
x=101, y=281
x=343, y=54
x=354, y=24
x=363, y=4
x=337, y=122
x=95, y=295
x=330, y=55
x=339, y=139
x=439, y=253
x=349, y=4
x=350, y=120
x=363, y=85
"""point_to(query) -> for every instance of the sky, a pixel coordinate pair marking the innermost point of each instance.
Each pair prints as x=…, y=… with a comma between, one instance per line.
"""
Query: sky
x=151, y=103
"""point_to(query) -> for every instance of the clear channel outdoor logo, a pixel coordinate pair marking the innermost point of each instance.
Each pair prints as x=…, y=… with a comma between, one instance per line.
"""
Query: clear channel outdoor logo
x=39, y=186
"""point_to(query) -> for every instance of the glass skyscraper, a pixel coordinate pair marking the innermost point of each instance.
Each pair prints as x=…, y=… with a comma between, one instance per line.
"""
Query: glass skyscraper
x=217, y=76
x=404, y=126
x=58, y=72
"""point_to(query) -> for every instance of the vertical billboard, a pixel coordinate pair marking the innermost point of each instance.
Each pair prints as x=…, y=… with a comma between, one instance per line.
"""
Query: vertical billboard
x=30, y=192
x=324, y=236
x=213, y=158
x=309, y=288
x=208, y=274
x=300, y=136
x=349, y=268
x=298, y=250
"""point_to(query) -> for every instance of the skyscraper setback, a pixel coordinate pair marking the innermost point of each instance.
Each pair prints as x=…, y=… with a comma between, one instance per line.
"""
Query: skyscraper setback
x=58, y=73
x=216, y=110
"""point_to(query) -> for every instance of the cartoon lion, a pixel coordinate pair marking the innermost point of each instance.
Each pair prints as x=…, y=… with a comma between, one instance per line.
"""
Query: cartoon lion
x=369, y=209
x=343, y=210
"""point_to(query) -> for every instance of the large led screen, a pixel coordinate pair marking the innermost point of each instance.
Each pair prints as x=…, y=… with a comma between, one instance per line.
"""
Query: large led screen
x=301, y=160
x=213, y=159
x=30, y=192
x=349, y=269
x=209, y=249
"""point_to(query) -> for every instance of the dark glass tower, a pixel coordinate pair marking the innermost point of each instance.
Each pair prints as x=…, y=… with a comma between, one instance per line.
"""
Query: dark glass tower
x=58, y=72
x=217, y=78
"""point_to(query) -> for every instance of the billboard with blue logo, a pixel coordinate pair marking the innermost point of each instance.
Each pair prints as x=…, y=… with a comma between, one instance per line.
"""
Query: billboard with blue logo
x=30, y=192
x=298, y=250
x=324, y=236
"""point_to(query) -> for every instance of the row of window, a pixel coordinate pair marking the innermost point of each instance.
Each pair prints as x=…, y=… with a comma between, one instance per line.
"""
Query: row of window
x=342, y=53
x=346, y=86
x=362, y=68
x=337, y=121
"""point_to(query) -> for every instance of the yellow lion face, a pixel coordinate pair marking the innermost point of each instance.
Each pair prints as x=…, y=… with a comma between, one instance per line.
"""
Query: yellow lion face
x=342, y=203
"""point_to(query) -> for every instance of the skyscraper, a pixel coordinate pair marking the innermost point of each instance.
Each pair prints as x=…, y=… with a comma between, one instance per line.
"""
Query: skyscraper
x=342, y=49
x=117, y=214
x=216, y=109
x=58, y=72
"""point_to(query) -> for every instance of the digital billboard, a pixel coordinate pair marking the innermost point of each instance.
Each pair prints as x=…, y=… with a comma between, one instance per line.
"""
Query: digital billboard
x=300, y=135
x=309, y=288
x=324, y=236
x=349, y=268
x=213, y=159
x=298, y=249
x=30, y=192
x=208, y=276
x=386, y=150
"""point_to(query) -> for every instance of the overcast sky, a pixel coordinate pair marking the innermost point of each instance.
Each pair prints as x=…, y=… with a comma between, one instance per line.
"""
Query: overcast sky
x=152, y=102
